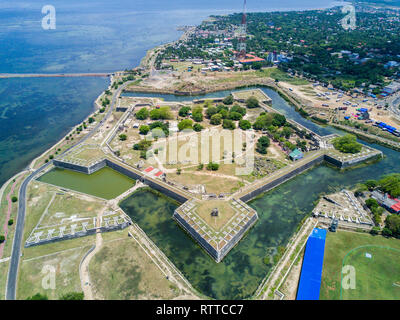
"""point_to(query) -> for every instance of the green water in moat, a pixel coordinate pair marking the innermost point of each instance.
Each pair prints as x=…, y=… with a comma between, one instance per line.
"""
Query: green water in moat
x=280, y=212
x=105, y=183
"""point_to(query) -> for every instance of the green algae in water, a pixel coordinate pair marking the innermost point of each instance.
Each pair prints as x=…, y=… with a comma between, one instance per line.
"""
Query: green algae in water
x=105, y=183
x=280, y=212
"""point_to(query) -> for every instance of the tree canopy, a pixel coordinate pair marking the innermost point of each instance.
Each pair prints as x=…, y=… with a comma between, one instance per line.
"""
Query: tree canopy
x=347, y=144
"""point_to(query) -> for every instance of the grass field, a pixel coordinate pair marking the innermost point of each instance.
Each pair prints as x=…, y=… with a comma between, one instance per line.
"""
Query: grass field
x=376, y=261
x=122, y=270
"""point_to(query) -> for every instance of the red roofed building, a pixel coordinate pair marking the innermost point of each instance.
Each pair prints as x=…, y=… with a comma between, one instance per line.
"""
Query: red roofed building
x=159, y=173
x=251, y=59
x=385, y=200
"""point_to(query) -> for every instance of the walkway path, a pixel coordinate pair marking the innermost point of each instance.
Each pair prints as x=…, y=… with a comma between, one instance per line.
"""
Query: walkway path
x=276, y=274
x=19, y=228
x=9, y=209
x=84, y=266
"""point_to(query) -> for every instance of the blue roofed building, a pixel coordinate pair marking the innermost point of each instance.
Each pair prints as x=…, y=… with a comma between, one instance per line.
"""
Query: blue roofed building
x=311, y=271
x=296, y=154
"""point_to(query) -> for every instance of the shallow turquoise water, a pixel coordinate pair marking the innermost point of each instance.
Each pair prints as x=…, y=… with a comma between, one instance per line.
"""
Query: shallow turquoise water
x=35, y=114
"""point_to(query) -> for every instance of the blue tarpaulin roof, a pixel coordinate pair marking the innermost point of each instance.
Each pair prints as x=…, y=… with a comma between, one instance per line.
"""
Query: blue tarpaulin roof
x=311, y=271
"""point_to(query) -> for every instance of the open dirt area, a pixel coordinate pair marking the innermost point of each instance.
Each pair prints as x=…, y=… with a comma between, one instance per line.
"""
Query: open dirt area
x=121, y=270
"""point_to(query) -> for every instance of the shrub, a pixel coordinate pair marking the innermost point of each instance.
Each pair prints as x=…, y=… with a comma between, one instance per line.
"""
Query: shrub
x=123, y=137
x=211, y=111
x=198, y=116
x=144, y=129
x=142, y=114
x=163, y=113
x=72, y=296
x=393, y=225
x=236, y=116
x=185, y=124
x=228, y=100
x=198, y=127
x=252, y=102
x=184, y=111
x=213, y=166
x=38, y=296
x=228, y=124
x=239, y=109
x=244, y=124
x=216, y=119
x=262, y=144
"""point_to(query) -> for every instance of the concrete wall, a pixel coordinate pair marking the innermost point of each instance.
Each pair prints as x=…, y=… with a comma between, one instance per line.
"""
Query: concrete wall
x=151, y=183
x=193, y=233
x=71, y=166
x=229, y=246
x=217, y=255
x=168, y=192
x=77, y=235
x=284, y=178
x=349, y=163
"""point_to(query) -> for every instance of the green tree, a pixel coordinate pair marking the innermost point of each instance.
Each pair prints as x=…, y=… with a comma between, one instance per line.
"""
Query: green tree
x=184, y=111
x=390, y=184
x=14, y=199
x=262, y=144
x=123, y=137
x=228, y=124
x=347, y=144
x=198, y=127
x=287, y=132
x=38, y=296
x=185, y=124
x=393, y=224
x=228, y=100
x=198, y=116
x=211, y=111
x=144, y=129
x=236, y=116
x=371, y=184
x=244, y=124
x=142, y=114
x=213, y=166
x=239, y=109
x=72, y=296
x=216, y=119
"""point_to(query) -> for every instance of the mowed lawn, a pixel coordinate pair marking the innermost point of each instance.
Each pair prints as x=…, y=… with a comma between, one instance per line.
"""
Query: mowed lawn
x=377, y=276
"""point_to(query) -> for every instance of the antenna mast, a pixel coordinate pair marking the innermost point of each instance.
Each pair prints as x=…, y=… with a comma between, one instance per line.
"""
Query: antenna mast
x=243, y=33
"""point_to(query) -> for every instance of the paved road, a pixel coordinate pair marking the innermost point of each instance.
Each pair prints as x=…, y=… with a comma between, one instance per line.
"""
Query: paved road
x=19, y=229
x=394, y=103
